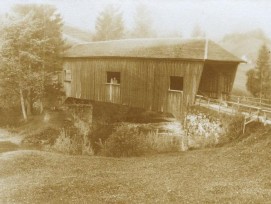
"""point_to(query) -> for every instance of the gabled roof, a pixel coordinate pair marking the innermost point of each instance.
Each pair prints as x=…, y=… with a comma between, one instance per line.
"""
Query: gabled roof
x=164, y=48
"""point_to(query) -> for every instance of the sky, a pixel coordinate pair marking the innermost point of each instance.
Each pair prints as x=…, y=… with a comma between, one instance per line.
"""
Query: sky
x=215, y=17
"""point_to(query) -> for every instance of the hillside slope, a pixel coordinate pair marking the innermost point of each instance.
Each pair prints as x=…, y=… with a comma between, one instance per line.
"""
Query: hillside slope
x=246, y=46
x=75, y=35
x=236, y=173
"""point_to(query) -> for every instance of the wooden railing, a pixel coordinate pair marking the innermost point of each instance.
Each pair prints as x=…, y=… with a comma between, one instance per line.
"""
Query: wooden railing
x=257, y=112
x=261, y=102
x=264, y=100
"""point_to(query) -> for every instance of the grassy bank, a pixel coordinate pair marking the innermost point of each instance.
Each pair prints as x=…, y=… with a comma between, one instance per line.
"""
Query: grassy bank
x=238, y=173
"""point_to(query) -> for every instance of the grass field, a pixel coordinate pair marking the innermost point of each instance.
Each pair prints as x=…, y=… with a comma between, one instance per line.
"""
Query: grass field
x=237, y=173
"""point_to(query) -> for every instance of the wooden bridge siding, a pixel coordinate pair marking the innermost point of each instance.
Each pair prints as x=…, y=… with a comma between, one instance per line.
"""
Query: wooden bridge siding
x=217, y=79
x=66, y=84
x=192, y=81
x=233, y=75
x=208, y=83
x=144, y=83
x=175, y=98
x=113, y=93
x=191, y=71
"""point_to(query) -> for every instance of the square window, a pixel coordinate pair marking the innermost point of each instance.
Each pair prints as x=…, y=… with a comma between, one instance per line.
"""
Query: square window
x=113, y=78
x=67, y=75
x=176, y=83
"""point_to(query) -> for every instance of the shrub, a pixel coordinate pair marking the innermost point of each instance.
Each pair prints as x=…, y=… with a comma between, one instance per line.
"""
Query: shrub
x=125, y=141
x=130, y=139
x=163, y=143
x=100, y=134
x=70, y=142
x=233, y=127
x=65, y=144
x=74, y=137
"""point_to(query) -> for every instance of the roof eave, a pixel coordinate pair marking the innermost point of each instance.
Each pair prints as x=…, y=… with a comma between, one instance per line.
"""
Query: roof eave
x=226, y=61
x=132, y=57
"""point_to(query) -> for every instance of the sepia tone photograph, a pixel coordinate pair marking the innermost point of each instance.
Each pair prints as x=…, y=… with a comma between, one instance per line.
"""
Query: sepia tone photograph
x=135, y=101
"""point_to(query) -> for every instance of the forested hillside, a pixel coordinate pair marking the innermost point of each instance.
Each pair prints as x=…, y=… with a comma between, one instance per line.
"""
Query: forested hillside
x=246, y=46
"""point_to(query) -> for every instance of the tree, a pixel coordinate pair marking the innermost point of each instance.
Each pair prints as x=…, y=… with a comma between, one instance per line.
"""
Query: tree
x=259, y=78
x=32, y=44
x=109, y=24
x=143, y=23
x=197, y=32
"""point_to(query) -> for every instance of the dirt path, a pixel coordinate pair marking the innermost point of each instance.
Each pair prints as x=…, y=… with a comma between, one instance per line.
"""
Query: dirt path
x=11, y=137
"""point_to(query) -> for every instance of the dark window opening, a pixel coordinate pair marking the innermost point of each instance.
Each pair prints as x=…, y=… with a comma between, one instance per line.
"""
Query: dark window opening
x=176, y=83
x=113, y=77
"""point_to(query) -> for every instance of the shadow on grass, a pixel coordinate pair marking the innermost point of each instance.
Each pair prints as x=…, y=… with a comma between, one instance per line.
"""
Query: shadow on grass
x=7, y=146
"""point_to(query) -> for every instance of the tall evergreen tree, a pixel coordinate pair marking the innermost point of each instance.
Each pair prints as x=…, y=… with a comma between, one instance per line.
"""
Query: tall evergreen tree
x=109, y=24
x=259, y=78
x=32, y=44
x=197, y=32
x=143, y=23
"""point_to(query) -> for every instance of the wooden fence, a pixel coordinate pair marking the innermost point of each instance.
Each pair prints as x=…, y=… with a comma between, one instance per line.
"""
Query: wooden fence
x=252, y=109
x=260, y=102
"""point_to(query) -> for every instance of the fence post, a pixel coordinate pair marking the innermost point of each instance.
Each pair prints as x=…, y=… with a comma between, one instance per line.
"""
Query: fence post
x=219, y=105
x=245, y=123
x=199, y=100
x=258, y=114
x=232, y=109
x=244, y=126
x=265, y=118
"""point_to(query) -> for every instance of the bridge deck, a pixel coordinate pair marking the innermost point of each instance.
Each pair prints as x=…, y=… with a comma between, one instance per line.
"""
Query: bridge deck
x=252, y=112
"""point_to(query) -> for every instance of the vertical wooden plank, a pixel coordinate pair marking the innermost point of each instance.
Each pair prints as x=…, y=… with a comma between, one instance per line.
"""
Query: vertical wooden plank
x=144, y=82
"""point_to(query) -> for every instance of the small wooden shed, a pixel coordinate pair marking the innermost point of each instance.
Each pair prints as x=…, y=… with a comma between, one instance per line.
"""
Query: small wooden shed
x=155, y=74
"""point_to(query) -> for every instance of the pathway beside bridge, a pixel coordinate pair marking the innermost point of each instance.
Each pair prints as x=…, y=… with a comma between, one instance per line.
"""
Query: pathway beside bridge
x=253, y=109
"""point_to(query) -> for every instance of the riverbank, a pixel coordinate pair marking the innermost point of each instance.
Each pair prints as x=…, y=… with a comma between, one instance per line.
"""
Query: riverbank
x=235, y=173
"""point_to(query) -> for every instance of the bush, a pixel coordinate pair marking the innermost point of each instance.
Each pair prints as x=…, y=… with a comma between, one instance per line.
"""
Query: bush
x=74, y=137
x=70, y=142
x=100, y=134
x=125, y=141
x=130, y=139
x=233, y=127
x=163, y=143
x=64, y=144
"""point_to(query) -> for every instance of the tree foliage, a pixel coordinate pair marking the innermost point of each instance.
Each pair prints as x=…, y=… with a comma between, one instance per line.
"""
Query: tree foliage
x=143, y=23
x=109, y=24
x=259, y=78
x=32, y=44
x=197, y=32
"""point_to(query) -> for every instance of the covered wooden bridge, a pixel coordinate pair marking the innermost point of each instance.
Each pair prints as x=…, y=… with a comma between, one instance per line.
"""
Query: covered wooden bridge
x=155, y=74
